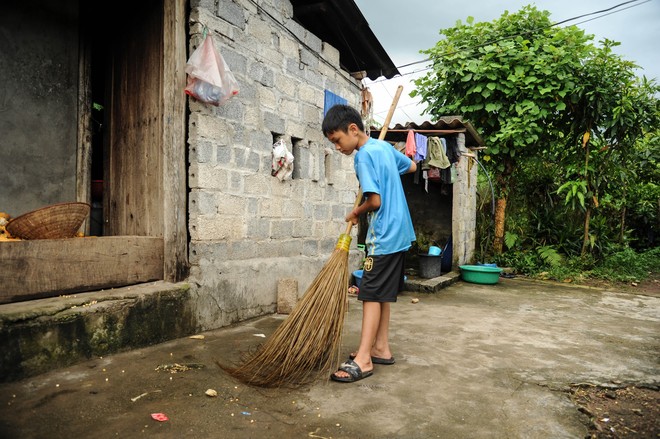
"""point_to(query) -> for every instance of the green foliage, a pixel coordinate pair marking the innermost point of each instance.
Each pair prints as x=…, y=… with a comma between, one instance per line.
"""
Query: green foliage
x=522, y=262
x=608, y=100
x=642, y=202
x=511, y=239
x=539, y=217
x=424, y=240
x=623, y=264
x=549, y=255
x=511, y=77
x=572, y=134
x=485, y=214
x=628, y=265
x=575, y=190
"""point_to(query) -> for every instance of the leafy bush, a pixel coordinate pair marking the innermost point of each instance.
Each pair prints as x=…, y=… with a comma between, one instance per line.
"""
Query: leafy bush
x=623, y=264
x=643, y=214
x=627, y=265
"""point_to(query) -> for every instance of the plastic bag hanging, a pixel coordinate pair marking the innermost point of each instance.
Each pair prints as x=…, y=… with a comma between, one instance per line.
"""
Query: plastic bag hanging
x=282, y=165
x=209, y=78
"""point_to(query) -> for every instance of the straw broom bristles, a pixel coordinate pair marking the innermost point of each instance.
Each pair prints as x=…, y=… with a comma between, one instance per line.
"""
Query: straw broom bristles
x=309, y=340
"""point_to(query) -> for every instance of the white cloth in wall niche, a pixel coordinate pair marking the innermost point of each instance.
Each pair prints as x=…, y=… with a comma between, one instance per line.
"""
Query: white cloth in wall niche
x=282, y=165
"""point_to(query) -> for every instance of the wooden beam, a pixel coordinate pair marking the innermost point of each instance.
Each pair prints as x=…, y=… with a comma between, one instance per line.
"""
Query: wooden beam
x=52, y=267
x=84, y=148
x=175, y=204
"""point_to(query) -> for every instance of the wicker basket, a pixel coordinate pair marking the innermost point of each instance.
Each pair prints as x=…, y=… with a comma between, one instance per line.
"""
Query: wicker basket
x=56, y=221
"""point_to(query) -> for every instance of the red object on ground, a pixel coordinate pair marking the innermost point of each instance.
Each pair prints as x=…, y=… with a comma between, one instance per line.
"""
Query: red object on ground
x=160, y=417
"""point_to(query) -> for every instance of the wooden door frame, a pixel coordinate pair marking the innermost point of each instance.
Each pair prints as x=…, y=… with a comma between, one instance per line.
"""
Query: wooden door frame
x=175, y=197
x=46, y=268
x=174, y=169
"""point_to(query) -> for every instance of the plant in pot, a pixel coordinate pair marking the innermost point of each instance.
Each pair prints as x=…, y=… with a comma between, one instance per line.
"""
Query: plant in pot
x=429, y=264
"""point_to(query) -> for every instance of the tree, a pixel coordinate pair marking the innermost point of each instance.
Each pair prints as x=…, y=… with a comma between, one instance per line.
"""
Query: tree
x=511, y=77
x=616, y=109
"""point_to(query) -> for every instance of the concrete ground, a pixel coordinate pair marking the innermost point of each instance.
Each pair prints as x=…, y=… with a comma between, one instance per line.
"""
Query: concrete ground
x=472, y=361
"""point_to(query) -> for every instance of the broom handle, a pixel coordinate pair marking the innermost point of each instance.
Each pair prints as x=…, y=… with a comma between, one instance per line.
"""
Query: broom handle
x=381, y=136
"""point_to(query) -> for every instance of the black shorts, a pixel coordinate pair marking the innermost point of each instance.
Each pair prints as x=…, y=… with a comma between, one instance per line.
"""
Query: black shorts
x=382, y=278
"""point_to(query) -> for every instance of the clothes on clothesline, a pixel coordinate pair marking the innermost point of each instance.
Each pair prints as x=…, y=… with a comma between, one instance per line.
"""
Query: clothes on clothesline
x=411, y=147
x=421, y=142
x=436, y=155
x=415, y=146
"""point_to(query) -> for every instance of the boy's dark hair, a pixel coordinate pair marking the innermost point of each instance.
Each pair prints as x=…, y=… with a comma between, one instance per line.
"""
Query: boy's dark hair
x=339, y=117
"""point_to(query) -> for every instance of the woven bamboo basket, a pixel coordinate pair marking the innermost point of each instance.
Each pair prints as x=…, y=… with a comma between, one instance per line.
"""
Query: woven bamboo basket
x=61, y=220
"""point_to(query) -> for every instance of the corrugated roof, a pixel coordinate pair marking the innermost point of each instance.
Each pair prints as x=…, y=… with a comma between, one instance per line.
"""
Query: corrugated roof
x=444, y=125
x=341, y=24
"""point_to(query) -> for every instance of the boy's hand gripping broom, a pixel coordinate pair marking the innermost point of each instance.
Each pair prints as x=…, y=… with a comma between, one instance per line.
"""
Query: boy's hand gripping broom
x=309, y=340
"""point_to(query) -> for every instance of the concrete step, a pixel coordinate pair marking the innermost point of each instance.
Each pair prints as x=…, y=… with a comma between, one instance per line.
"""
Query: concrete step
x=41, y=335
x=433, y=285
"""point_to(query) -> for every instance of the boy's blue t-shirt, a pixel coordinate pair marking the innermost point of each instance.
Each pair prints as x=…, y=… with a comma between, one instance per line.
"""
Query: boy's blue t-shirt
x=379, y=166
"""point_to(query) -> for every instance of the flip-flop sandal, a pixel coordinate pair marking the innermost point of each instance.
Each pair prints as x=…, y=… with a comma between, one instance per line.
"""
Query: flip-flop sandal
x=354, y=372
x=377, y=360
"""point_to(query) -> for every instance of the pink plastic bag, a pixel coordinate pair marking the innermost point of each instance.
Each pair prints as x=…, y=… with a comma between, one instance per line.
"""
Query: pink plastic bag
x=209, y=78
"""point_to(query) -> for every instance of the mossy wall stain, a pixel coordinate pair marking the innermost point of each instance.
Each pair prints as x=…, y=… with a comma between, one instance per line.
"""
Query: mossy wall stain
x=28, y=348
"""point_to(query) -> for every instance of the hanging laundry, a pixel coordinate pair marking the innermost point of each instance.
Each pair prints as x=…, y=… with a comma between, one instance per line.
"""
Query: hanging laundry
x=436, y=156
x=418, y=175
x=421, y=144
x=410, y=144
x=452, y=149
x=449, y=174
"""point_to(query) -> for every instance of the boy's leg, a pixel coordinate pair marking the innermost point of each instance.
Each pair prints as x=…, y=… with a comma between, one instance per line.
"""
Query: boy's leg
x=381, y=346
x=380, y=285
x=370, y=320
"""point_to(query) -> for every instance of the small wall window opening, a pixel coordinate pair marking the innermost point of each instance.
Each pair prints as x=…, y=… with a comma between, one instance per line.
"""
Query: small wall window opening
x=282, y=159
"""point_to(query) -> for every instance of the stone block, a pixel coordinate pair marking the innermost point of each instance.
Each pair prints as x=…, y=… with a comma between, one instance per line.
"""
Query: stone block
x=287, y=295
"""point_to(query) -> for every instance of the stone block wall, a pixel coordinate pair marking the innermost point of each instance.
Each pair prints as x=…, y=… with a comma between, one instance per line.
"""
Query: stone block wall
x=464, y=209
x=247, y=228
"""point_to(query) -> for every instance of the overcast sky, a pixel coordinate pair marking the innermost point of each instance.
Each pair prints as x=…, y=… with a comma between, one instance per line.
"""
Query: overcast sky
x=406, y=27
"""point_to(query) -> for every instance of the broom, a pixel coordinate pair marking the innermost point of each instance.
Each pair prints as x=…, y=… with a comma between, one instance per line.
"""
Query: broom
x=309, y=340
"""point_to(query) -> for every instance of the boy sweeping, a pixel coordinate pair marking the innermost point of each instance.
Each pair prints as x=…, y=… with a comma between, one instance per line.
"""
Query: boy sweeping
x=378, y=167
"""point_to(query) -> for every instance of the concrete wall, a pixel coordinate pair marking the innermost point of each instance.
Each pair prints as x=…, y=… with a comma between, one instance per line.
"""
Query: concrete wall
x=247, y=228
x=38, y=104
x=464, y=212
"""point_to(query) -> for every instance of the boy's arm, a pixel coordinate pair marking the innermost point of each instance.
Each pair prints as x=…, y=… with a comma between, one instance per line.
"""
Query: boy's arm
x=402, y=160
x=412, y=168
x=371, y=203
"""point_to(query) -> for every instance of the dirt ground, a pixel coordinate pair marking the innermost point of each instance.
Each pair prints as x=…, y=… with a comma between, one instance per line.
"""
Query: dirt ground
x=628, y=412
x=648, y=287
x=622, y=412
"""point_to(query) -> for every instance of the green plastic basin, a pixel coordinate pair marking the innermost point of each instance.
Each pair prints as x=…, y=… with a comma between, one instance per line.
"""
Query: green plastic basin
x=480, y=274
